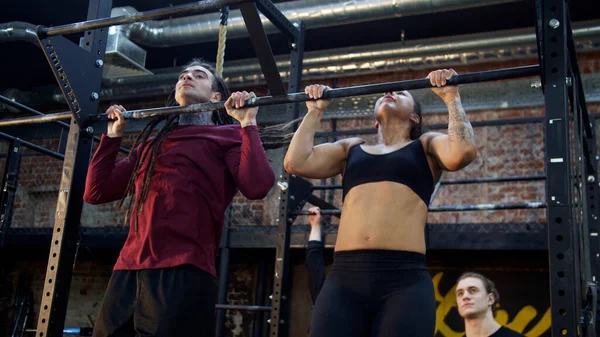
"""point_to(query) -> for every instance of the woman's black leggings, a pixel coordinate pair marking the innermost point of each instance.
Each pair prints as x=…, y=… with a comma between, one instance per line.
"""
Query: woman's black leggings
x=375, y=293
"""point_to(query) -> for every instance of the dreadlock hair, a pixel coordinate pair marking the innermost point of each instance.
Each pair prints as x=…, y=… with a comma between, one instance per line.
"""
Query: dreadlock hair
x=147, y=153
x=277, y=135
x=272, y=137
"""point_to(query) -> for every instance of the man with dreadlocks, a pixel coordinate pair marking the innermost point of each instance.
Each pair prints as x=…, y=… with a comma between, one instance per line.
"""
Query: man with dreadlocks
x=178, y=184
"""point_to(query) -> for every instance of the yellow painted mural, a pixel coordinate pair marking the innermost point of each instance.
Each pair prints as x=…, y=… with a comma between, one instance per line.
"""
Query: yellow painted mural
x=525, y=315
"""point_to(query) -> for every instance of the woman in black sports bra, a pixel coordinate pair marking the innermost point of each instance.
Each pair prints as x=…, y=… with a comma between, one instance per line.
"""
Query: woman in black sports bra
x=379, y=284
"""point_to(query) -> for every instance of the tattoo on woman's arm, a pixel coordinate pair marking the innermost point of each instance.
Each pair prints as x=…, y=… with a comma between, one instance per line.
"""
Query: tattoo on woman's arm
x=459, y=127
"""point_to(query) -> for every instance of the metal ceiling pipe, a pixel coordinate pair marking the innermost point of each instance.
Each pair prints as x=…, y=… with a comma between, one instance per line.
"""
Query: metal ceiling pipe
x=314, y=14
x=424, y=53
x=430, y=53
x=18, y=31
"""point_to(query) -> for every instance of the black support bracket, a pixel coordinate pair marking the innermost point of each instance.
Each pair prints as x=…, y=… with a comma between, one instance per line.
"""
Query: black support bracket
x=73, y=67
x=280, y=302
x=559, y=191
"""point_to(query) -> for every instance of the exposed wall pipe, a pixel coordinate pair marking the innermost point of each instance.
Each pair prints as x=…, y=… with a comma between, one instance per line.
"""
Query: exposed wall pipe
x=18, y=31
x=431, y=53
x=314, y=14
x=456, y=50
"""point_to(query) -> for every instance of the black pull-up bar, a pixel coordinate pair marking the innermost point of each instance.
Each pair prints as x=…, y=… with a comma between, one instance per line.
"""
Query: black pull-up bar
x=25, y=108
x=476, y=77
x=483, y=76
x=198, y=7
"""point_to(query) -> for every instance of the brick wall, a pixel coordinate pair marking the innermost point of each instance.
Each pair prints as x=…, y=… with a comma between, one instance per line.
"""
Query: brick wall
x=242, y=283
x=89, y=282
x=39, y=181
x=87, y=289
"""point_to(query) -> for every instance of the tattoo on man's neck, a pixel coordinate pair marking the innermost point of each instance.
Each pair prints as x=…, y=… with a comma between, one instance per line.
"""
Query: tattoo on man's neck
x=203, y=118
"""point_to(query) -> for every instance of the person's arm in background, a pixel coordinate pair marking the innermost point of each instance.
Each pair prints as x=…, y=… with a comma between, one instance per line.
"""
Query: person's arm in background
x=315, y=263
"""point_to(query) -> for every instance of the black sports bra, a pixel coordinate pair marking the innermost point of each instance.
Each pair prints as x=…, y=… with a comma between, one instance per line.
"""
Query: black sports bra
x=407, y=166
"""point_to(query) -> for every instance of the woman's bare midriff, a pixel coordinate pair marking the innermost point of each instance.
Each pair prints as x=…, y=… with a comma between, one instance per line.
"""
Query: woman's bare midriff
x=382, y=215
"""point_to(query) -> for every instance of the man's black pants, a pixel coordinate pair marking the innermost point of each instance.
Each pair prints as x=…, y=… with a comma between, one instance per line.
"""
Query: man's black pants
x=178, y=302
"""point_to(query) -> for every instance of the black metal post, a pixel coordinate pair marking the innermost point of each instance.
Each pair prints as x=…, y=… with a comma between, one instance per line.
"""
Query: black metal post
x=593, y=207
x=62, y=143
x=589, y=195
x=280, y=302
x=65, y=235
x=578, y=150
x=223, y=274
x=585, y=231
x=10, y=180
x=268, y=9
x=262, y=48
x=559, y=192
x=579, y=95
x=590, y=253
x=261, y=285
x=593, y=228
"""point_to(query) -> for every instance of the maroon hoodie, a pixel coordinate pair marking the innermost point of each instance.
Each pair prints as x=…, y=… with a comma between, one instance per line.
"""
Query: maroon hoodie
x=196, y=175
